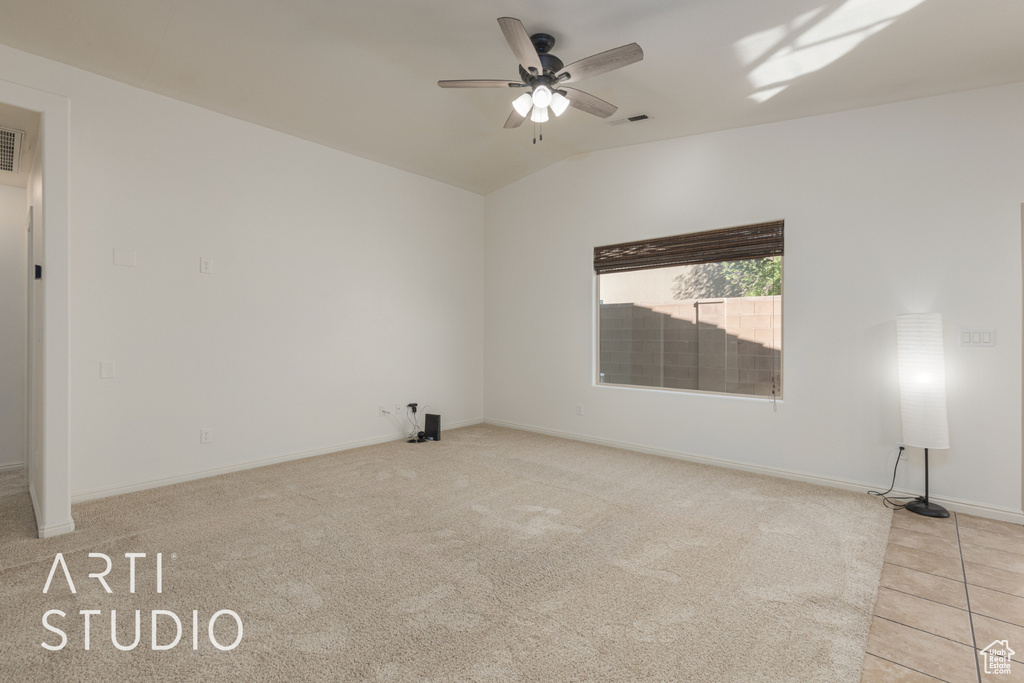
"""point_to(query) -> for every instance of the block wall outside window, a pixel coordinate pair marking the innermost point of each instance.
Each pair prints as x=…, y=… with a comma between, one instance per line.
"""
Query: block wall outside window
x=728, y=345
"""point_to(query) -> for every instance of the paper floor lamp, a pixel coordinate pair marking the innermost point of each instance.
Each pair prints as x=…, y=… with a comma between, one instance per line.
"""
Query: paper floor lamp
x=922, y=370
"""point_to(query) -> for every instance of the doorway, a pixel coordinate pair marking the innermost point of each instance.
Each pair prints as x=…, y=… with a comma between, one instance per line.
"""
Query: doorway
x=19, y=132
x=46, y=460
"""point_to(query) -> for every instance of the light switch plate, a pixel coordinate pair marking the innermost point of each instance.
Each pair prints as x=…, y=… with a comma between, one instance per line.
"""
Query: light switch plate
x=978, y=336
x=107, y=369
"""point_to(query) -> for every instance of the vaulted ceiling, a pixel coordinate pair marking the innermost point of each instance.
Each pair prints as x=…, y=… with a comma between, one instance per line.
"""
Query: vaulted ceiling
x=361, y=76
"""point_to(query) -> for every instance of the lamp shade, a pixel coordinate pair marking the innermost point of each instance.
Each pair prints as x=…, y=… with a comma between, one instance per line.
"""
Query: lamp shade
x=559, y=103
x=541, y=96
x=922, y=371
x=523, y=104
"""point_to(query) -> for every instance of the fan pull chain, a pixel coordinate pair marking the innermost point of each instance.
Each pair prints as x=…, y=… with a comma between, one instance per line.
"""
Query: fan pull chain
x=535, y=126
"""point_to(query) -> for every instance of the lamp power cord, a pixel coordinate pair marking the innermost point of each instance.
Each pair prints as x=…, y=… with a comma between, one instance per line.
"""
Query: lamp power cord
x=893, y=502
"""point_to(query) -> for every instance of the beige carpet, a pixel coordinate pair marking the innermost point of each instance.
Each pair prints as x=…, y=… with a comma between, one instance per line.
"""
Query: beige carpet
x=493, y=555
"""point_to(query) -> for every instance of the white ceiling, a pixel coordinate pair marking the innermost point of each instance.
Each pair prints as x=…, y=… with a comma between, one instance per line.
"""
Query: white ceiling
x=361, y=75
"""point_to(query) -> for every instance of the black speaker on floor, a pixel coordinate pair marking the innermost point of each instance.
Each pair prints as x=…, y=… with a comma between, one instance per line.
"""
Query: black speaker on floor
x=432, y=427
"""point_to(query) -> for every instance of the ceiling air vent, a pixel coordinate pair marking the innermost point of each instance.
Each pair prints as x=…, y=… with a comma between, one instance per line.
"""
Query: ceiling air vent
x=10, y=149
x=631, y=119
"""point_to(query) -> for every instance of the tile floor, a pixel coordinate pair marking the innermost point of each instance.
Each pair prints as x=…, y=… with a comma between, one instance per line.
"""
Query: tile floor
x=949, y=588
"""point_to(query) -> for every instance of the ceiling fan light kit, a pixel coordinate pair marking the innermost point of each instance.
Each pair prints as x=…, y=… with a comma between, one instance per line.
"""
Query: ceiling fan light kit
x=559, y=103
x=543, y=73
x=523, y=103
x=541, y=96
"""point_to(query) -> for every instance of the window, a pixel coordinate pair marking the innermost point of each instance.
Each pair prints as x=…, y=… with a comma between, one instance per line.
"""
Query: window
x=699, y=312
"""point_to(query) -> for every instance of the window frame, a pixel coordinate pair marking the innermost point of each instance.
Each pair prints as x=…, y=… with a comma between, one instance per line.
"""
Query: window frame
x=746, y=242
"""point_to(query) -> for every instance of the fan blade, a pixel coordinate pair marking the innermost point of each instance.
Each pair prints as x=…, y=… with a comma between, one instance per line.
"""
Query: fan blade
x=480, y=84
x=519, y=40
x=514, y=120
x=602, y=63
x=591, y=104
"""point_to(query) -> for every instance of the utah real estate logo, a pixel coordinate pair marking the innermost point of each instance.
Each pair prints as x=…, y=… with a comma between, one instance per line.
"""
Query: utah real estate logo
x=997, y=657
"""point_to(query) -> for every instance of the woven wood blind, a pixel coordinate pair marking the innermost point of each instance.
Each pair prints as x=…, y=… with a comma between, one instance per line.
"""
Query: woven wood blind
x=729, y=244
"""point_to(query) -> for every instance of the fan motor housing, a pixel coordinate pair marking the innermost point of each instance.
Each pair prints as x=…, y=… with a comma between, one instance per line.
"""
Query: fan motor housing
x=550, y=64
x=542, y=42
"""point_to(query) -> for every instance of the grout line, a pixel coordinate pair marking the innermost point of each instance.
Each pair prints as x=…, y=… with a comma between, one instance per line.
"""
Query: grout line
x=921, y=630
x=948, y=557
x=920, y=571
x=904, y=666
x=989, y=531
x=921, y=597
x=1011, y=553
x=897, y=564
x=925, y=534
x=992, y=566
x=994, y=590
x=1001, y=621
x=1008, y=537
x=1019, y=555
x=899, y=524
x=967, y=594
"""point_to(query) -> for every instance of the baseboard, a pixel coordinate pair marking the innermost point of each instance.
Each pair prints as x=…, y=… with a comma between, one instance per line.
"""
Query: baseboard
x=96, y=494
x=954, y=504
x=50, y=530
x=12, y=466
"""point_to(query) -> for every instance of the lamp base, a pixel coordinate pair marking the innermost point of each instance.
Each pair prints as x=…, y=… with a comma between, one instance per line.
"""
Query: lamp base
x=927, y=508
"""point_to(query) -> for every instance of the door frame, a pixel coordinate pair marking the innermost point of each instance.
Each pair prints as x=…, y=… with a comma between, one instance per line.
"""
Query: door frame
x=49, y=464
x=29, y=351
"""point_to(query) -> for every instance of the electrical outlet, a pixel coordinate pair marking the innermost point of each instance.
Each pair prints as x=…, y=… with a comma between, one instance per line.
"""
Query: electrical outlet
x=205, y=265
x=205, y=435
x=382, y=411
x=579, y=408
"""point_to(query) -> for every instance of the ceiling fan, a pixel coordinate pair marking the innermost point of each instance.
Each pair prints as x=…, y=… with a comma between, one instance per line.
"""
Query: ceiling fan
x=544, y=75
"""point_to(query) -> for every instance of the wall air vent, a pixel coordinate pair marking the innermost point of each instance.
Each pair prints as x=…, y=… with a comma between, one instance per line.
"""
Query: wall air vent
x=10, y=149
x=631, y=119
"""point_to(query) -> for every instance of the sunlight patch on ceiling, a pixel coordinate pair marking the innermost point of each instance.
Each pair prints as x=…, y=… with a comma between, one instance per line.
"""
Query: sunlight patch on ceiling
x=780, y=55
x=758, y=45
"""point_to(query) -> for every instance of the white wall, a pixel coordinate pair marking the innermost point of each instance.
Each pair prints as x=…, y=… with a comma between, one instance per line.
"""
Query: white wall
x=13, y=330
x=339, y=284
x=906, y=207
